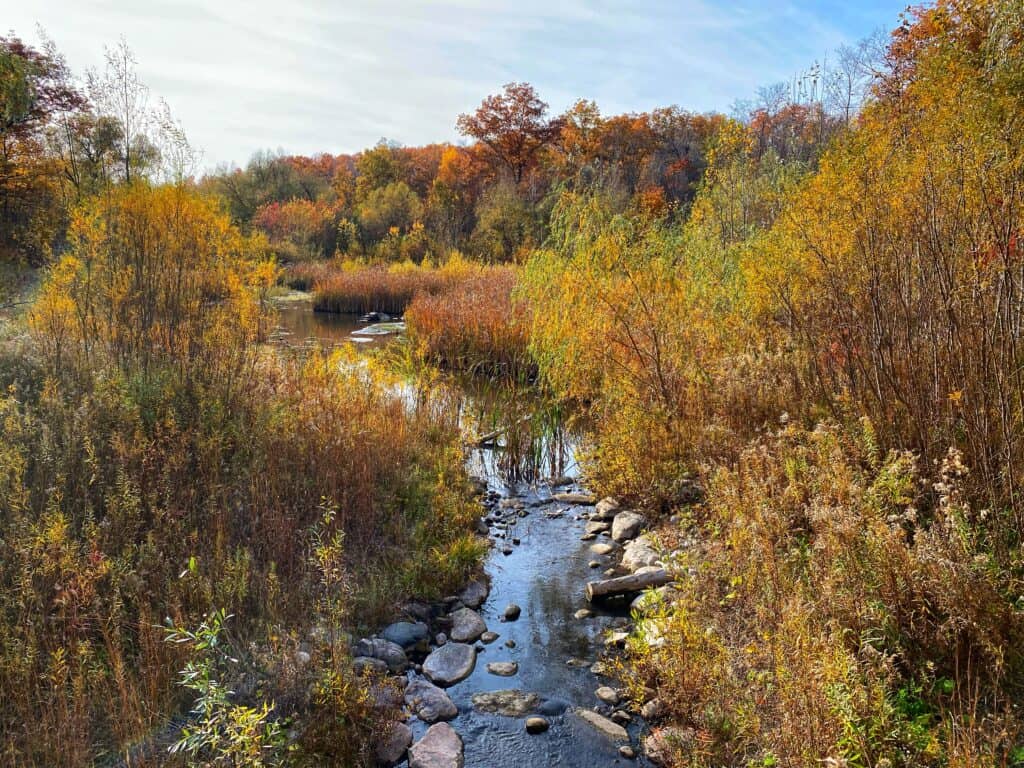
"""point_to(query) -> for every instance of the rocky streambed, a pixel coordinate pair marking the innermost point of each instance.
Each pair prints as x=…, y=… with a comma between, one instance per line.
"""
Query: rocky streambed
x=513, y=671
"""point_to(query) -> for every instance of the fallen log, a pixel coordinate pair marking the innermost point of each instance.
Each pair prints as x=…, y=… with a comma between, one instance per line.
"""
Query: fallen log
x=490, y=439
x=624, y=585
x=584, y=499
x=486, y=441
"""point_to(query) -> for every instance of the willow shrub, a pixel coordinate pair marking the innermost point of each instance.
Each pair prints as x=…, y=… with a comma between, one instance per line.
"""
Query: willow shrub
x=169, y=467
x=896, y=269
x=635, y=320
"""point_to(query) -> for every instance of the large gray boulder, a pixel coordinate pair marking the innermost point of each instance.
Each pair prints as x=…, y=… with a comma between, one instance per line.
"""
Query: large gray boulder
x=606, y=509
x=392, y=748
x=627, y=525
x=450, y=663
x=385, y=650
x=406, y=633
x=639, y=552
x=467, y=626
x=440, y=747
x=429, y=702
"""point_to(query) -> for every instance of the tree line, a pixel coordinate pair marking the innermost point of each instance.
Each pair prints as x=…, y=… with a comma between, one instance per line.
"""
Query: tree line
x=64, y=139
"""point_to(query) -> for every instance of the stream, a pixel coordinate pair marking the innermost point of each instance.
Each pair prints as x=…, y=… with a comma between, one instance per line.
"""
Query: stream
x=544, y=572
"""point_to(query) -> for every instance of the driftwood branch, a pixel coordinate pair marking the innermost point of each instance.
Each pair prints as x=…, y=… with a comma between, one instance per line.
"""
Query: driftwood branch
x=624, y=585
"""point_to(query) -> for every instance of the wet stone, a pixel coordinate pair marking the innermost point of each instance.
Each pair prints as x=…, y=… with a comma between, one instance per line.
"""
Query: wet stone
x=511, y=703
x=536, y=725
x=602, y=724
x=428, y=702
x=467, y=626
x=450, y=663
x=406, y=633
x=503, y=668
x=385, y=650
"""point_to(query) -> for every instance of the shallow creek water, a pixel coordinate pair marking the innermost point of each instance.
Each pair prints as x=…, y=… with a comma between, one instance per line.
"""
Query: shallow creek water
x=545, y=575
x=299, y=325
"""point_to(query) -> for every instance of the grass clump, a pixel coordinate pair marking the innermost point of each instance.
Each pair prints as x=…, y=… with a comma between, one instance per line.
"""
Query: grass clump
x=843, y=607
x=358, y=288
x=474, y=326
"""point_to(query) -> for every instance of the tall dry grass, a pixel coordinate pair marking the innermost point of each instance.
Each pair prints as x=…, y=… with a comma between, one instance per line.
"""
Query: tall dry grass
x=304, y=275
x=830, y=617
x=474, y=326
x=358, y=289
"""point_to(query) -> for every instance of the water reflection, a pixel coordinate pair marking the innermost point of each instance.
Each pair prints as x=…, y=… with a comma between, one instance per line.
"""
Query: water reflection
x=299, y=326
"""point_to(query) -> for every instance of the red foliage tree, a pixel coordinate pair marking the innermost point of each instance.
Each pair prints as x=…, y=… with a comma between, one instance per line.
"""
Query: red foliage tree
x=514, y=125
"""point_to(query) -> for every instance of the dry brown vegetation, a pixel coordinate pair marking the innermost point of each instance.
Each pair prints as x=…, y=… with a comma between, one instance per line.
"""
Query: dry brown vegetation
x=158, y=470
x=474, y=326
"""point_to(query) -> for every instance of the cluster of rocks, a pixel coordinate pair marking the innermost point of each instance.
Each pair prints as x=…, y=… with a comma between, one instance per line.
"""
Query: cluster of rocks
x=439, y=646
x=502, y=518
x=641, y=569
x=434, y=650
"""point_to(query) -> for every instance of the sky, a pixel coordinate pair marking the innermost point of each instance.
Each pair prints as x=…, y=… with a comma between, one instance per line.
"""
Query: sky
x=310, y=76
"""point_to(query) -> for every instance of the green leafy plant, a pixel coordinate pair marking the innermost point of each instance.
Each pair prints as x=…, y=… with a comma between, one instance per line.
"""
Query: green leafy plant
x=221, y=732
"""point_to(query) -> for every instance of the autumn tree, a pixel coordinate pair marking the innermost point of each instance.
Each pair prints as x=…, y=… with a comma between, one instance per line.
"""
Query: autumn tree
x=35, y=91
x=376, y=168
x=513, y=125
x=391, y=207
x=119, y=94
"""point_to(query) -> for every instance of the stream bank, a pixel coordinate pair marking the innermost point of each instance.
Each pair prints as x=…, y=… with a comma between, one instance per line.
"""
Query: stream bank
x=518, y=664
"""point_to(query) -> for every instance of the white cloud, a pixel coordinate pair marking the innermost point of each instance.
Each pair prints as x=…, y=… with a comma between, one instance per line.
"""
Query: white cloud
x=314, y=75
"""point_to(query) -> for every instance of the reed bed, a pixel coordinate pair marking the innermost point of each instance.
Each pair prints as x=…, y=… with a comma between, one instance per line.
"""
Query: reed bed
x=303, y=276
x=474, y=327
x=358, y=289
